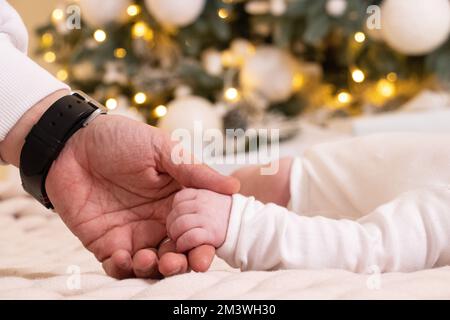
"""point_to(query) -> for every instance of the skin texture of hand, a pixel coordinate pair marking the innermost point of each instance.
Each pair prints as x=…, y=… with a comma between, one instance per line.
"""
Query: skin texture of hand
x=198, y=217
x=266, y=188
x=96, y=167
x=113, y=185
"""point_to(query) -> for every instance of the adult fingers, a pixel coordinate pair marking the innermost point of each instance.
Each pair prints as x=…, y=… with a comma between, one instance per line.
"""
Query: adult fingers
x=145, y=264
x=119, y=265
x=188, y=173
x=170, y=262
x=200, y=258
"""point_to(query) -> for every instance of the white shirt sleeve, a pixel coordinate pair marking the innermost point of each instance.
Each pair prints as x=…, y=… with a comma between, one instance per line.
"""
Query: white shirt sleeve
x=408, y=233
x=350, y=178
x=23, y=83
x=380, y=200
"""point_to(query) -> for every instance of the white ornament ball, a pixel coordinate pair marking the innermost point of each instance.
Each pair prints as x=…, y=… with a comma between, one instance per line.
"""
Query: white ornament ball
x=178, y=13
x=242, y=49
x=270, y=73
x=212, y=62
x=98, y=13
x=278, y=7
x=415, y=27
x=336, y=8
x=189, y=112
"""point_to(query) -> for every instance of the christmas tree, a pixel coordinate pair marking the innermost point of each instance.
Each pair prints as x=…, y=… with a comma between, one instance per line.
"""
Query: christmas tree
x=254, y=59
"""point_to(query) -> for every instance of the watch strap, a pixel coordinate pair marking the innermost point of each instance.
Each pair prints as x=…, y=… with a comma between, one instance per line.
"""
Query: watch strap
x=46, y=140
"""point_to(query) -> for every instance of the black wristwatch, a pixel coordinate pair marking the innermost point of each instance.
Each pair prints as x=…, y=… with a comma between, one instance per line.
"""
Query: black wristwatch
x=48, y=137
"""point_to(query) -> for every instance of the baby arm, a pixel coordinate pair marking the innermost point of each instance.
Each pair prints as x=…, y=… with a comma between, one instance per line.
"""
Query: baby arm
x=409, y=233
x=352, y=177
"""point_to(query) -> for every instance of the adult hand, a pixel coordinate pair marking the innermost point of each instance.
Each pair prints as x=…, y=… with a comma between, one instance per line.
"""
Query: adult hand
x=113, y=185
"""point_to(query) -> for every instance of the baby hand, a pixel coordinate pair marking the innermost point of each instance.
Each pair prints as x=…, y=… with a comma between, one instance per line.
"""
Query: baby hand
x=198, y=217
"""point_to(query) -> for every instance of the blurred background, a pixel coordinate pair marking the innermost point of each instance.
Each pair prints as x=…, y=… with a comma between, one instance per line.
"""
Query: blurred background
x=358, y=66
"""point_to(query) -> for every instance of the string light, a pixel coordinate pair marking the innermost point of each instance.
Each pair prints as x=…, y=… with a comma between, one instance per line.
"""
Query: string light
x=344, y=97
x=231, y=95
x=57, y=15
x=298, y=81
x=49, y=56
x=358, y=76
x=392, y=76
x=140, y=98
x=385, y=88
x=120, y=53
x=62, y=74
x=111, y=103
x=360, y=37
x=133, y=10
x=99, y=35
x=223, y=13
x=228, y=59
x=160, y=111
x=139, y=29
x=47, y=39
x=142, y=30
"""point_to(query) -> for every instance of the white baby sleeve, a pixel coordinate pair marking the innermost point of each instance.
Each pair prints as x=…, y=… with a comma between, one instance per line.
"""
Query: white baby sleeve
x=411, y=232
x=348, y=179
x=23, y=83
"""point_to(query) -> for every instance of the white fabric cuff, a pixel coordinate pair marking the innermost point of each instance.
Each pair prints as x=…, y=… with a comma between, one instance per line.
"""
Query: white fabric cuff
x=23, y=83
x=297, y=187
x=227, y=250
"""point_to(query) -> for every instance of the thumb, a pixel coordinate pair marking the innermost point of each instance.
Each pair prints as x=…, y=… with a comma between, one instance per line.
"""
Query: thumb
x=191, y=174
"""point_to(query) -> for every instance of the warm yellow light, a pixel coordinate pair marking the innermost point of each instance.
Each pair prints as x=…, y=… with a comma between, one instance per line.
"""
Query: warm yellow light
x=223, y=13
x=47, y=39
x=228, y=59
x=140, y=98
x=62, y=74
x=358, y=76
x=50, y=57
x=298, y=81
x=385, y=88
x=133, y=10
x=111, y=103
x=99, y=35
x=231, y=94
x=360, y=37
x=392, y=76
x=142, y=30
x=57, y=15
x=149, y=35
x=344, y=97
x=160, y=111
x=120, y=53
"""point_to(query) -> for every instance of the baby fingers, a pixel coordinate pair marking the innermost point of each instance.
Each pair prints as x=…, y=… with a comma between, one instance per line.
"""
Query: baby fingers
x=185, y=223
x=192, y=239
x=183, y=208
